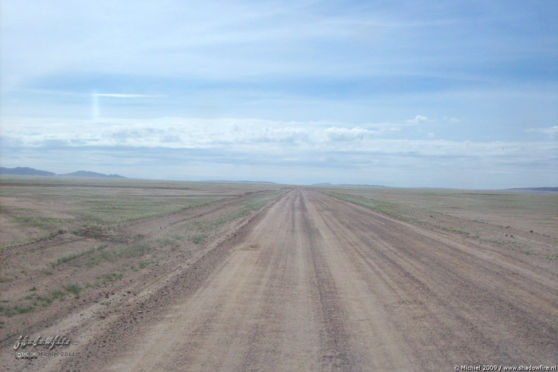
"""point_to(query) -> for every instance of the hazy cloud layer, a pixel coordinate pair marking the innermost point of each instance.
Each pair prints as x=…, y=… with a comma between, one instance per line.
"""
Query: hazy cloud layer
x=256, y=136
x=255, y=145
x=551, y=131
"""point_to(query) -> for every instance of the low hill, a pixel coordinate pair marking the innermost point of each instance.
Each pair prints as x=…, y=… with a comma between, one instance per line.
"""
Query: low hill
x=89, y=174
x=25, y=171
x=537, y=189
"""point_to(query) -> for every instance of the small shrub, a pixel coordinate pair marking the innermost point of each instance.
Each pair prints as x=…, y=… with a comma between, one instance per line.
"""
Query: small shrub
x=73, y=289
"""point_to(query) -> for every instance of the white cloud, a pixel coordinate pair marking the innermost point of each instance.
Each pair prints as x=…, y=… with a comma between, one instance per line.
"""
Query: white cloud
x=551, y=131
x=418, y=119
x=451, y=120
x=257, y=137
x=349, y=134
x=124, y=95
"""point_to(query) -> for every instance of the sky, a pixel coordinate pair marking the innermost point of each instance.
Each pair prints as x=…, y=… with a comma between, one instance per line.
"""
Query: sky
x=457, y=94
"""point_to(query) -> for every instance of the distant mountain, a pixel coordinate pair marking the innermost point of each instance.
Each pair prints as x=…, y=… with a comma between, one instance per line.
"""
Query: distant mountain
x=363, y=185
x=242, y=181
x=25, y=171
x=349, y=185
x=88, y=174
x=551, y=189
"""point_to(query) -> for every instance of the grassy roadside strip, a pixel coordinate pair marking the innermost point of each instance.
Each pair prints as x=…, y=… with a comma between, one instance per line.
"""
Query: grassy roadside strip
x=144, y=250
x=391, y=209
x=380, y=206
x=202, y=228
x=252, y=206
x=112, y=211
x=96, y=221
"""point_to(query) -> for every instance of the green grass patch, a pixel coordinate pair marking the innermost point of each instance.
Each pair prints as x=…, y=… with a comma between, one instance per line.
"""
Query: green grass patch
x=168, y=242
x=73, y=289
x=380, y=206
x=135, y=250
x=49, y=299
x=108, y=278
x=58, y=295
x=19, y=242
x=103, y=256
x=10, y=311
x=75, y=256
x=125, y=208
x=43, y=223
x=198, y=238
x=455, y=231
x=251, y=206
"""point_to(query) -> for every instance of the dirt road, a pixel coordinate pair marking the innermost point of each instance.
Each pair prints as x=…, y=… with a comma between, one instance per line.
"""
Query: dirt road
x=318, y=284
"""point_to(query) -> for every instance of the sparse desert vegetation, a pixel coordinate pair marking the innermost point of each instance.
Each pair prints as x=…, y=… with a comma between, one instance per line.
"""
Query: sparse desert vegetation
x=66, y=244
x=121, y=261
x=522, y=221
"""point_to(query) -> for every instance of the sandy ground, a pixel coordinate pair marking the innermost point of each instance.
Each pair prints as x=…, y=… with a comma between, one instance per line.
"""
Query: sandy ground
x=313, y=283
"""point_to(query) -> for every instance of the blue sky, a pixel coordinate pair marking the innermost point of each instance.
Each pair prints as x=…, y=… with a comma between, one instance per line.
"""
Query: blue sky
x=400, y=93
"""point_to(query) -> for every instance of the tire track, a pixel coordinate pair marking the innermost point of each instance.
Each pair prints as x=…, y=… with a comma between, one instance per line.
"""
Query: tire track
x=467, y=309
x=334, y=337
x=317, y=284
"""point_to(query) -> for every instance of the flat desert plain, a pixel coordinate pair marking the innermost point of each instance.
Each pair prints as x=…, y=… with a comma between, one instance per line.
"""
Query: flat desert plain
x=168, y=276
